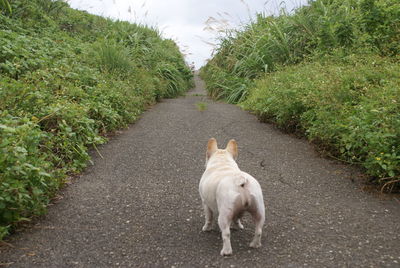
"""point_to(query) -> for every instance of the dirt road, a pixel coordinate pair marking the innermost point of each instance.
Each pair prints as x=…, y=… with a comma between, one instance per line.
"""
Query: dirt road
x=139, y=205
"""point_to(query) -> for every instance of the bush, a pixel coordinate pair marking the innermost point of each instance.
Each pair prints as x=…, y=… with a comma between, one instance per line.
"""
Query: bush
x=329, y=71
x=26, y=178
x=66, y=79
x=318, y=28
x=349, y=105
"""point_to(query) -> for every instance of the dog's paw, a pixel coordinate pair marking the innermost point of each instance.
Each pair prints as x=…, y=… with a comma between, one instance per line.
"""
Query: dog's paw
x=226, y=252
x=255, y=244
x=207, y=228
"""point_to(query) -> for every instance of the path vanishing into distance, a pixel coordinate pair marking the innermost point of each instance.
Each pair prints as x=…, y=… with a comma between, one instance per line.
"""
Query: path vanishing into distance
x=139, y=205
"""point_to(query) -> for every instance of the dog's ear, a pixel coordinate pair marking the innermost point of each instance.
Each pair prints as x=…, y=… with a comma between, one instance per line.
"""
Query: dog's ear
x=232, y=148
x=212, y=147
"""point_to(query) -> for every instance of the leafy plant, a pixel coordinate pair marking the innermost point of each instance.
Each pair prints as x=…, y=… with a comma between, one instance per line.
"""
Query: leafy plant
x=349, y=106
x=328, y=70
x=68, y=78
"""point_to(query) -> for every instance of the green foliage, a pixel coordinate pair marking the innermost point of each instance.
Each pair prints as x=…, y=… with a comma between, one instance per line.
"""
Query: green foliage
x=174, y=78
x=223, y=85
x=201, y=106
x=114, y=58
x=66, y=79
x=5, y=5
x=349, y=105
x=329, y=70
x=26, y=178
x=316, y=29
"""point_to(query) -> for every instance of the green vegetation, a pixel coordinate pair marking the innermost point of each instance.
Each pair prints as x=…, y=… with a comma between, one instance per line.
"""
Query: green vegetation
x=201, y=106
x=66, y=79
x=329, y=71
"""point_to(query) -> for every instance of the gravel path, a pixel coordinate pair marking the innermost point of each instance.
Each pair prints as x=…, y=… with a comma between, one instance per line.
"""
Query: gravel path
x=139, y=205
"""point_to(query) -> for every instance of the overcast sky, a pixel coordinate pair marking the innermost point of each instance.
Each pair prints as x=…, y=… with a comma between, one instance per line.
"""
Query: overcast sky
x=185, y=20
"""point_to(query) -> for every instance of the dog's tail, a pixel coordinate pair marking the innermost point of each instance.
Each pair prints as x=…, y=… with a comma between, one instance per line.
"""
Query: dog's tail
x=241, y=181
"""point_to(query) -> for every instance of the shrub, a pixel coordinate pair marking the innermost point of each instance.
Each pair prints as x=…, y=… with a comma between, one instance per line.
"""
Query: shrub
x=66, y=79
x=26, y=179
x=329, y=70
x=348, y=105
x=318, y=28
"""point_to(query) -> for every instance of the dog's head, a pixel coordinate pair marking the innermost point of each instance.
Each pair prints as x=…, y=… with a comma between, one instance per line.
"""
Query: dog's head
x=231, y=150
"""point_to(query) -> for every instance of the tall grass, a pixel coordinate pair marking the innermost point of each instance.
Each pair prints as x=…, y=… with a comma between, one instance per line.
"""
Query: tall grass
x=316, y=29
x=5, y=5
x=114, y=58
x=261, y=67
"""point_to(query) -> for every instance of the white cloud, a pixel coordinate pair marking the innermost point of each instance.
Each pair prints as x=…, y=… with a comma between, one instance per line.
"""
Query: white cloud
x=183, y=20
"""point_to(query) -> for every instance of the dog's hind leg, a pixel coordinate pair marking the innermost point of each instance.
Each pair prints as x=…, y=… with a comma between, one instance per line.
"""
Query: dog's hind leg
x=209, y=218
x=259, y=218
x=224, y=222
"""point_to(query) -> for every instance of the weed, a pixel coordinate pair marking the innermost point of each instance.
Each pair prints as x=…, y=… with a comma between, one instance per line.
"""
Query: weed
x=201, y=106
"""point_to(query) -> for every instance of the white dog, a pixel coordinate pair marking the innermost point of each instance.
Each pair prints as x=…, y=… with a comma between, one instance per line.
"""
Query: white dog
x=228, y=192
